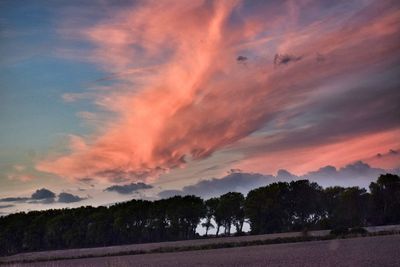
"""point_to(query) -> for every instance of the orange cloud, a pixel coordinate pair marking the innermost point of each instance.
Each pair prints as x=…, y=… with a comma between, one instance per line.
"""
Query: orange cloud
x=180, y=95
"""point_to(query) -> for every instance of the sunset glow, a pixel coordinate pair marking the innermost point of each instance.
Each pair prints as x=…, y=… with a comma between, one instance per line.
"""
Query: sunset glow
x=172, y=92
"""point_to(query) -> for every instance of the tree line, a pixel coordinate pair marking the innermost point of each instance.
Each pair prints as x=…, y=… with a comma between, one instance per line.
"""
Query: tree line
x=278, y=207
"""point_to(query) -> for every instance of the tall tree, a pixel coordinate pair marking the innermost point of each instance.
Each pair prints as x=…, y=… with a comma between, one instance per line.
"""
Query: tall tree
x=231, y=209
x=385, y=199
x=211, y=206
x=352, y=208
x=305, y=200
x=268, y=209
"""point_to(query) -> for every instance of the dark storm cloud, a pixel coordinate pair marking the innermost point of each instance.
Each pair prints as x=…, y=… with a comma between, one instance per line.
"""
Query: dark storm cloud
x=128, y=188
x=68, y=198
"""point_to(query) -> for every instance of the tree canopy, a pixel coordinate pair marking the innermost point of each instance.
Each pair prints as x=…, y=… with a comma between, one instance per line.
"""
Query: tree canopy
x=277, y=207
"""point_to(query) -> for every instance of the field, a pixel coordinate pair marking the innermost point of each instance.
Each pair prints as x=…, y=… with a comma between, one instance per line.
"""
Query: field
x=366, y=251
x=231, y=251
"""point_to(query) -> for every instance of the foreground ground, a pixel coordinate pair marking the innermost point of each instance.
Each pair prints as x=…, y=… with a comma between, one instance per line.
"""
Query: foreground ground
x=365, y=251
x=171, y=246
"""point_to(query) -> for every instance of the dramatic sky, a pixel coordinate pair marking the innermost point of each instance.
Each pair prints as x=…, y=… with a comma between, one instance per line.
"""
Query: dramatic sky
x=104, y=101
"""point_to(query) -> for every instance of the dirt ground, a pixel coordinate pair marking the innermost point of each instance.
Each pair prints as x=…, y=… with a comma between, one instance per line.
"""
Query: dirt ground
x=367, y=251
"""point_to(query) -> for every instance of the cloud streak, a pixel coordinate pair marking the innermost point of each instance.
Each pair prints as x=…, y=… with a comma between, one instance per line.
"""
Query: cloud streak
x=181, y=95
x=128, y=188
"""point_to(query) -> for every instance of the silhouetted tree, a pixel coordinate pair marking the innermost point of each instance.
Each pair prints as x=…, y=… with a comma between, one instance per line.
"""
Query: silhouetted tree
x=268, y=209
x=350, y=207
x=231, y=210
x=211, y=206
x=306, y=207
x=277, y=207
x=385, y=199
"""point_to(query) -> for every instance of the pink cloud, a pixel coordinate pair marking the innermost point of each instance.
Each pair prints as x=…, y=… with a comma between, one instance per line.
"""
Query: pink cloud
x=303, y=159
x=181, y=94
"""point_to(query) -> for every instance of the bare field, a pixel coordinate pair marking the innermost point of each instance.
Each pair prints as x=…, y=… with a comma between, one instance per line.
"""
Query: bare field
x=366, y=251
x=149, y=246
x=110, y=256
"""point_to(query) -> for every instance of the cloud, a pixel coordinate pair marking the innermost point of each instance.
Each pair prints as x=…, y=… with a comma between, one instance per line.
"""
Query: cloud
x=19, y=167
x=233, y=182
x=128, y=188
x=20, y=177
x=389, y=159
x=68, y=198
x=86, y=180
x=42, y=194
x=358, y=173
x=171, y=193
x=284, y=59
x=18, y=173
x=193, y=100
x=355, y=174
x=89, y=116
x=6, y=206
x=14, y=199
x=241, y=59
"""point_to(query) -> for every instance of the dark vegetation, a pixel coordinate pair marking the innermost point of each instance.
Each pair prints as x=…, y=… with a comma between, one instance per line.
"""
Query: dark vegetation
x=278, y=207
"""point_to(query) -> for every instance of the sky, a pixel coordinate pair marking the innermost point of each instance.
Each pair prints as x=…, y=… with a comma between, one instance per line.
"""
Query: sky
x=104, y=101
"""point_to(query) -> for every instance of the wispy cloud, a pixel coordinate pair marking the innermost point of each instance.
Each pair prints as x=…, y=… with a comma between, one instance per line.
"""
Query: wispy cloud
x=6, y=206
x=14, y=199
x=198, y=100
